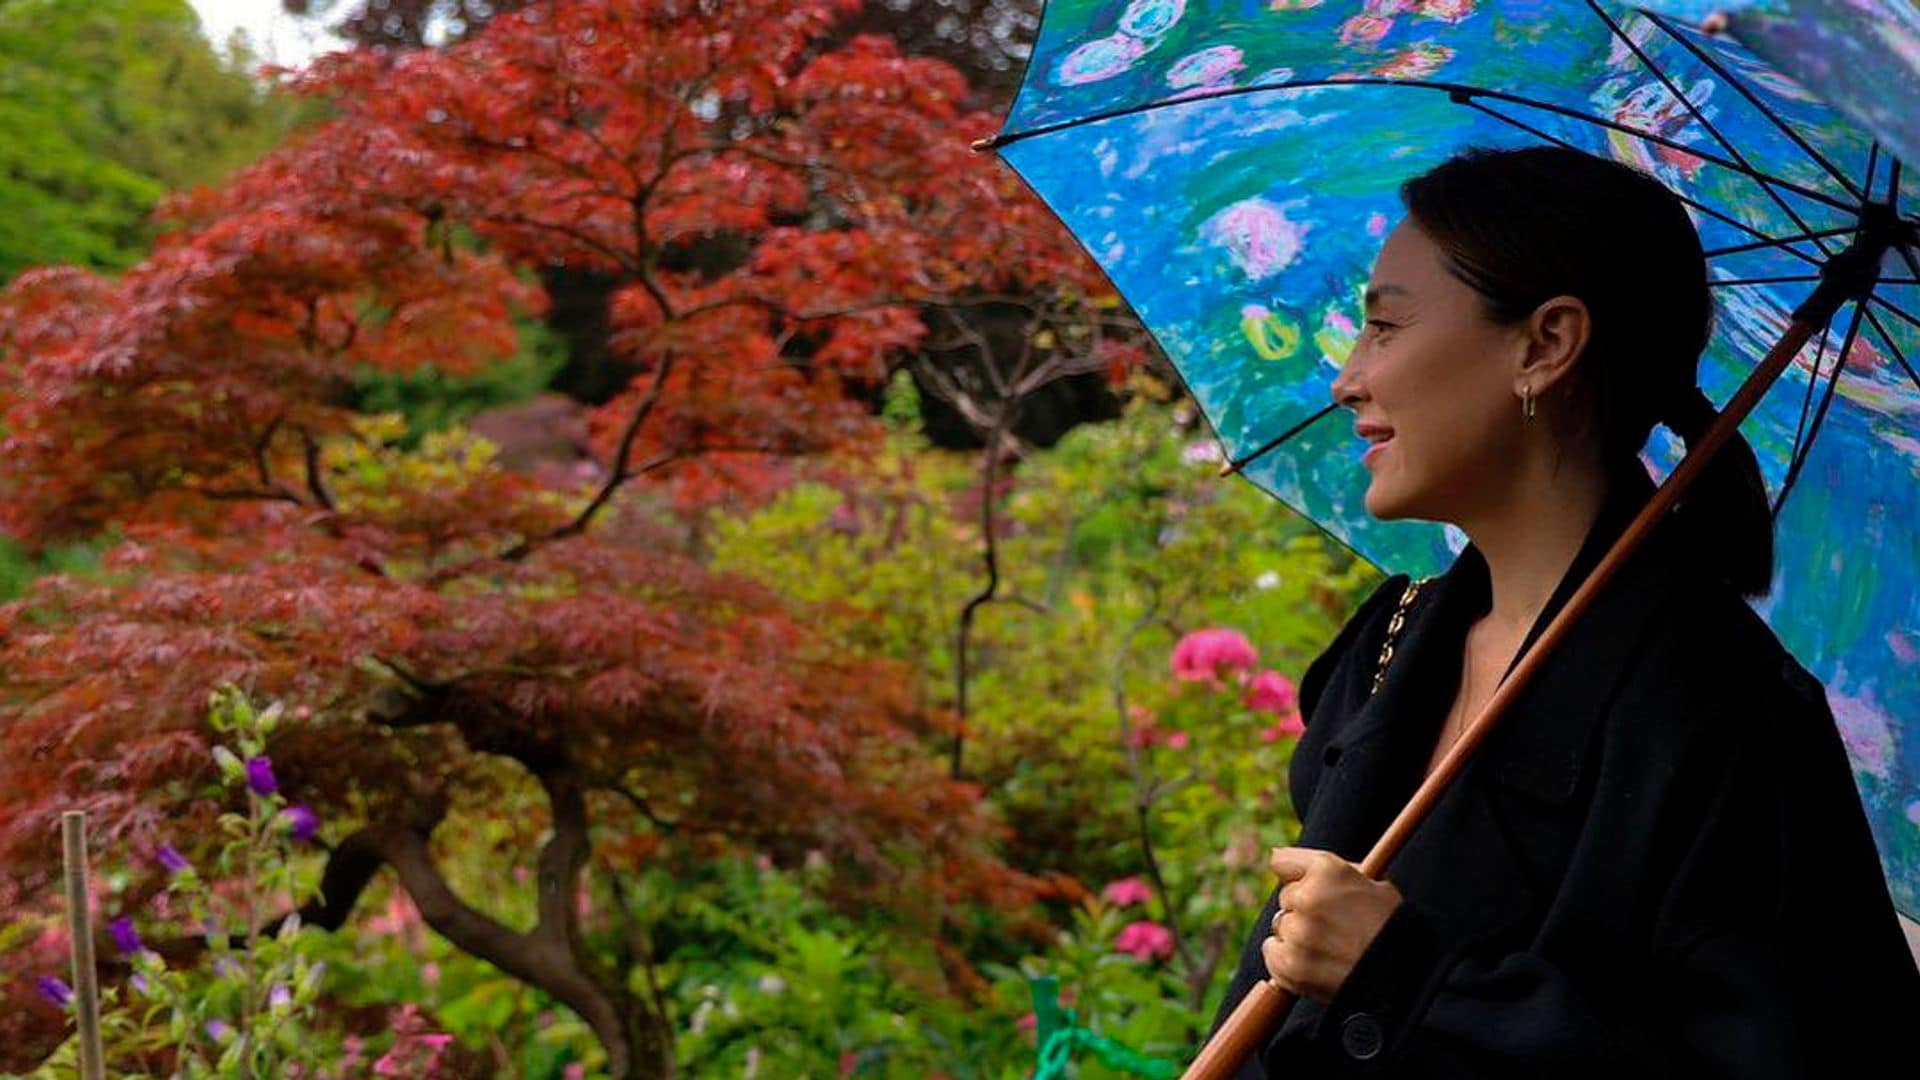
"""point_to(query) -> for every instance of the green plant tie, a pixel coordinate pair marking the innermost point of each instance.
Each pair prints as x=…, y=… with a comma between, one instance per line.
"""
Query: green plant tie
x=1061, y=1037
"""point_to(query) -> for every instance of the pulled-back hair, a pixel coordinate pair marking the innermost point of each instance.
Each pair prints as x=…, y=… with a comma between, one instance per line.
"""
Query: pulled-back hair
x=1525, y=225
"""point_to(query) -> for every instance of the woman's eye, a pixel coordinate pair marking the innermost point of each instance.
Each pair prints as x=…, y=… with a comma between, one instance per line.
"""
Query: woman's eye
x=1380, y=324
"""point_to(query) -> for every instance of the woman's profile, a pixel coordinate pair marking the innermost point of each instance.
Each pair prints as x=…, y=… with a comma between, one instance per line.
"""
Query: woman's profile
x=1657, y=864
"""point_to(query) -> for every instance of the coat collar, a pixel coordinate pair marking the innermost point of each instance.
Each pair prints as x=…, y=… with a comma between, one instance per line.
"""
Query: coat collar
x=1539, y=744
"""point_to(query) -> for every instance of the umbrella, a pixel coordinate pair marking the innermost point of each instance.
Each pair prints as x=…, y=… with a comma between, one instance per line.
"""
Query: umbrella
x=1232, y=164
x=1861, y=56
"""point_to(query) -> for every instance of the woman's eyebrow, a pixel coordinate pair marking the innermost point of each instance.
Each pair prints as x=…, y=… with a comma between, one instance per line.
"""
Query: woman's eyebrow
x=1375, y=292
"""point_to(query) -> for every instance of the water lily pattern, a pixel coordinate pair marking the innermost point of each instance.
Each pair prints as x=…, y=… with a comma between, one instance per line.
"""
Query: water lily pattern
x=1234, y=164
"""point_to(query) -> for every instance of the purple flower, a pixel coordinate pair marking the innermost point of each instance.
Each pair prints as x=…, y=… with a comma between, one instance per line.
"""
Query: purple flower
x=303, y=823
x=279, y=997
x=260, y=776
x=172, y=860
x=217, y=1030
x=125, y=937
x=55, y=991
x=138, y=982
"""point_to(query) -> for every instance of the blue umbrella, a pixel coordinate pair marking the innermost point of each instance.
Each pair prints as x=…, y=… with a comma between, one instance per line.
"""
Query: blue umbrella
x=1233, y=164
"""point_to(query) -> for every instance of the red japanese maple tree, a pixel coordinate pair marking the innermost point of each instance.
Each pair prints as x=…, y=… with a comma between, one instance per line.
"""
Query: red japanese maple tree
x=426, y=619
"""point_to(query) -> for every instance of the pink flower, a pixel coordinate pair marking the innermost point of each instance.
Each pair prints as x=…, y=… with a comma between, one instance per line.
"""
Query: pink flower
x=1126, y=891
x=1146, y=940
x=1289, y=724
x=1365, y=29
x=1203, y=654
x=1177, y=740
x=1271, y=692
x=1028, y=1022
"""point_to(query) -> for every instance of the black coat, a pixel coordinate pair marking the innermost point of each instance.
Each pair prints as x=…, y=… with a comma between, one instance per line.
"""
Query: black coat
x=1656, y=865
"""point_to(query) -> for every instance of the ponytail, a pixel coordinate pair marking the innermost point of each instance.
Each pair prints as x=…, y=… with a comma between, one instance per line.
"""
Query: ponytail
x=1725, y=513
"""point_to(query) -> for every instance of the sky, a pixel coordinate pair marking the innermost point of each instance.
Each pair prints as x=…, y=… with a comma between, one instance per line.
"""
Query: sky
x=275, y=35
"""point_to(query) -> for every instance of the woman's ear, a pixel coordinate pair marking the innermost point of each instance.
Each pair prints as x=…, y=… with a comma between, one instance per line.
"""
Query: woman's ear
x=1556, y=335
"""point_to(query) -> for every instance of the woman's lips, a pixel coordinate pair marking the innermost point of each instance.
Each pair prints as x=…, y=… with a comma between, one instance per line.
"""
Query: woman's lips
x=1367, y=458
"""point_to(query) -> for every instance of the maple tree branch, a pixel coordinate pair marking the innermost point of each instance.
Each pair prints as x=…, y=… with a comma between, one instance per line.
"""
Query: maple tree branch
x=561, y=858
x=314, y=482
x=646, y=809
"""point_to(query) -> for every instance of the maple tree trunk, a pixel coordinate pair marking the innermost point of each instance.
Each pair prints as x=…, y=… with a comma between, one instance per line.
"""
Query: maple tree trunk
x=551, y=956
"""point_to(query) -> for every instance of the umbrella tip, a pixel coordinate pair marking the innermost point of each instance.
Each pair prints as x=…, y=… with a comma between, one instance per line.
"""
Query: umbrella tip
x=1230, y=468
x=985, y=144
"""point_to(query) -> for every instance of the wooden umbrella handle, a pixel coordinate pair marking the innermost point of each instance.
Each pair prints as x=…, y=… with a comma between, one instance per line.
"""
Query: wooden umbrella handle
x=1266, y=1005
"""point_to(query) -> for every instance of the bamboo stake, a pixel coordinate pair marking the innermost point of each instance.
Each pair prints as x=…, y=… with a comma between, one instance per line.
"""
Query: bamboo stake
x=86, y=983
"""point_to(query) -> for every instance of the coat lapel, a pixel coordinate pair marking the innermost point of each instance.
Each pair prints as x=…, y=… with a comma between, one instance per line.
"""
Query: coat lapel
x=1375, y=760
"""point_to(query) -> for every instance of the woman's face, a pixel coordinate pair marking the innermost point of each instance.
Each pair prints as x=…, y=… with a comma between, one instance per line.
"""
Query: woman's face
x=1431, y=367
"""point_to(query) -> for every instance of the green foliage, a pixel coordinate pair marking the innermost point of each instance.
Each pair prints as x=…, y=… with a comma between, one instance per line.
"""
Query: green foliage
x=18, y=568
x=1111, y=547
x=774, y=984
x=105, y=107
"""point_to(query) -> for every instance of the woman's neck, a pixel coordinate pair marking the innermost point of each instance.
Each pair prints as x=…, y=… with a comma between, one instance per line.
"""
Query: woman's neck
x=1530, y=536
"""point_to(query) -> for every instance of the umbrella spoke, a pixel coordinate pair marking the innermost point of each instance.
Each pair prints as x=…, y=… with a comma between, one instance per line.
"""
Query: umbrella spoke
x=1897, y=312
x=1801, y=451
x=1235, y=466
x=1780, y=242
x=1806, y=401
x=1717, y=215
x=1887, y=340
x=1701, y=118
x=1772, y=117
x=1459, y=92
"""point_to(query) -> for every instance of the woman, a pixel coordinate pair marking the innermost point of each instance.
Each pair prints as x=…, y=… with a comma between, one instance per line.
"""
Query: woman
x=1657, y=863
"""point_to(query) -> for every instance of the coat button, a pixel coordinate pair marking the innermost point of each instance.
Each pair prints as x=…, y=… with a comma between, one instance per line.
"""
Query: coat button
x=1361, y=1036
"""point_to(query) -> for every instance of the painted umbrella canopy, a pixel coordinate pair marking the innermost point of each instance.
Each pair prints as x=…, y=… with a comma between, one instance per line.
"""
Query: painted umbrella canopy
x=1233, y=166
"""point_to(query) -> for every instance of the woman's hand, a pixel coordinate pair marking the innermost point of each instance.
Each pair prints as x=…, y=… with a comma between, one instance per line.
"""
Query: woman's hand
x=1329, y=913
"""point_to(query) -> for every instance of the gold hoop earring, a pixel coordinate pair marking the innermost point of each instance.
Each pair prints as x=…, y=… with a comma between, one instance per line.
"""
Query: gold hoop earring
x=1527, y=401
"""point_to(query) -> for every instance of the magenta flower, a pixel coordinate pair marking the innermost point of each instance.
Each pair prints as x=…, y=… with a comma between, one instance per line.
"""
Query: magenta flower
x=1126, y=891
x=1289, y=724
x=1271, y=692
x=260, y=776
x=1146, y=940
x=302, y=822
x=125, y=937
x=55, y=991
x=1204, y=654
x=171, y=859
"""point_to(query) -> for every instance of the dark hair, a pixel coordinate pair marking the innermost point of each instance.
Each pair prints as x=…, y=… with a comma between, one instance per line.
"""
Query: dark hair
x=1525, y=225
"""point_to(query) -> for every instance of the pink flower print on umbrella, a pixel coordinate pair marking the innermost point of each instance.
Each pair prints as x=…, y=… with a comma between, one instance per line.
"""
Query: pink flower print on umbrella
x=1651, y=107
x=1416, y=62
x=1364, y=30
x=1210, y=67
x=1151, y=18
x=1451, y=11
x=1146, y=940
x=1293, y=5
x=1102, y=58
x=1258, y=237
x=1204, y=654
x=1126, y=892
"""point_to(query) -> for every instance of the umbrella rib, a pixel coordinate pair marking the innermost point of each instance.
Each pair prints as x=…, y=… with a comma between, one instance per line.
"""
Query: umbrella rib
x=1701, y=118
x=1887, y=340
x=1826, y=400
x=1781, y=242
x=1806, y=400
x=1235, y=466
x=1458, y=92
x=1889, y=305
x=1717, y=215
x=1741, y=88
